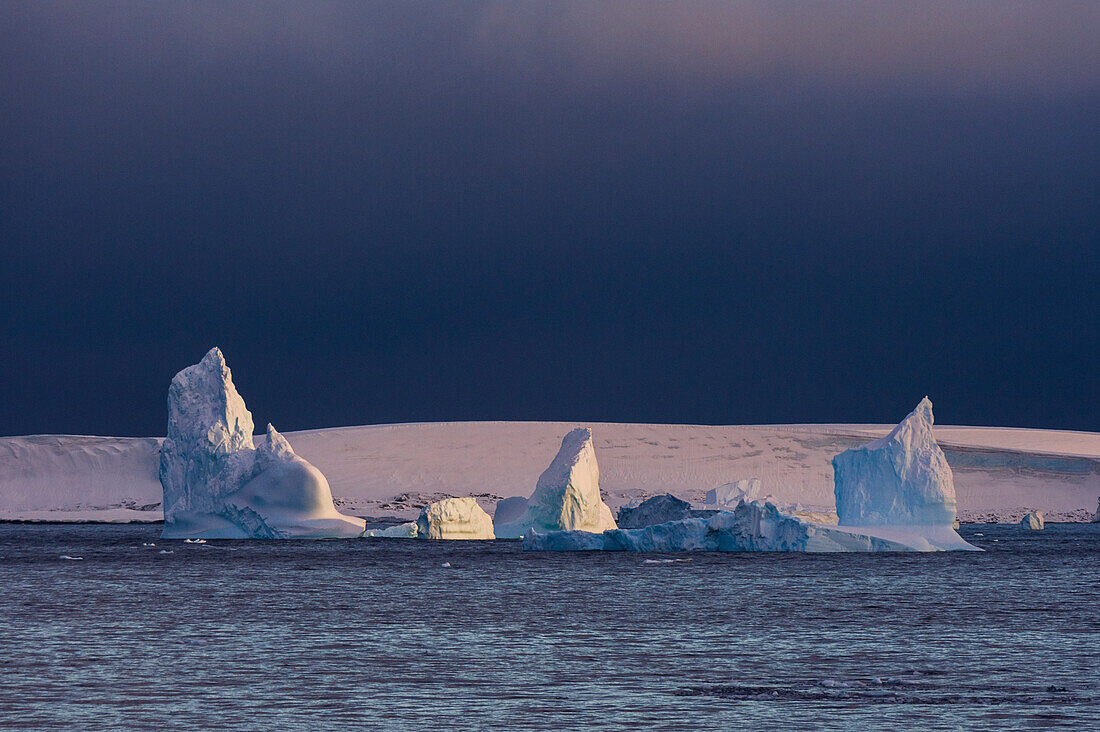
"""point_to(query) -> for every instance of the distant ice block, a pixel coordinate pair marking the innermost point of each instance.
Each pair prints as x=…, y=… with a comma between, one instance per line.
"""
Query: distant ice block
x=454, y=518
x=1096, y=516
x=1033, y=521
x=567, y=495
x=219, y=485
x=729, y=495
x=407, y=530
x=902, y=479
x=657, y=510
x=755, y=526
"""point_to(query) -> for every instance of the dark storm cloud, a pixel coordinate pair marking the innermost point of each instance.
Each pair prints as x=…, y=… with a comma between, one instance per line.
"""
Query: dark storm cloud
x=707, y=212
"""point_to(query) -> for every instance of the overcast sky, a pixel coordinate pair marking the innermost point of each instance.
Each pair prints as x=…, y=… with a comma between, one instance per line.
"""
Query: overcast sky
x=623, y=211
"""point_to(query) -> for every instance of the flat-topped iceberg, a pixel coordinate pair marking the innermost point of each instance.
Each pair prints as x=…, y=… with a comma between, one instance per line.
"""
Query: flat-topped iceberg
x=454, y=518
x=219, y=485
x=567, y=495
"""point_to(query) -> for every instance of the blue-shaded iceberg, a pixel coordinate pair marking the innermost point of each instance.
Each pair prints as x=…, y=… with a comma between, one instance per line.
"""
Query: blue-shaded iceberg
x=567, y=495
x=902, y=479
x=407, y=530
x=219, y=485
x=755, y=526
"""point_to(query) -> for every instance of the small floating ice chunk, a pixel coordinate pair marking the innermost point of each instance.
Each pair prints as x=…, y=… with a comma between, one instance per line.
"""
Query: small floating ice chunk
x=148, y=544
x=165, y=551
x=1033, y=521
x=194, y=541
x=406, y=530
x=66, y=556
x=446, y=565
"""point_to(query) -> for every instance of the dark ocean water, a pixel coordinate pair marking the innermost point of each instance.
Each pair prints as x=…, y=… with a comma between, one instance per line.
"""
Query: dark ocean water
x=378, y=634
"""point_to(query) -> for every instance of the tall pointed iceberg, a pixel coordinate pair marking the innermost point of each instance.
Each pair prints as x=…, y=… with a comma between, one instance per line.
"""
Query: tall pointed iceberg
x=219, y=485
x=567, y=495
x=902, y=479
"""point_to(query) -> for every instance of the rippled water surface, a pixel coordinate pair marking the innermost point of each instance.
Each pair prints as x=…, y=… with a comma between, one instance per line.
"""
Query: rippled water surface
x=378, y=633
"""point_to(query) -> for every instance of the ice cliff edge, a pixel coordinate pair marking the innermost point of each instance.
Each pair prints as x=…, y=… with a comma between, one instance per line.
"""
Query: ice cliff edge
x=219, y=485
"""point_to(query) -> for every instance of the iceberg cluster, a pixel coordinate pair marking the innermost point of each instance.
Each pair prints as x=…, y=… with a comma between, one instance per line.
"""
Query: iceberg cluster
x=219, y=485
x=566, y=498
x=893, y=494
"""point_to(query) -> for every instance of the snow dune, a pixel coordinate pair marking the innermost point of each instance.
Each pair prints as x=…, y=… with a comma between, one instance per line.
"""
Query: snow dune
x=394, y=470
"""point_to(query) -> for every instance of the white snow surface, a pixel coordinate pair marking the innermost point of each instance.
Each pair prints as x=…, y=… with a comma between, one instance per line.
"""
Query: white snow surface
x=567, y=494
x=454, y=518
x=1000, y=474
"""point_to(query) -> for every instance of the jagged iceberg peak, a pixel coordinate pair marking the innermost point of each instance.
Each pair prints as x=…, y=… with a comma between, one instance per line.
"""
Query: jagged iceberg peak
x=204, y=395
x=567, y=494
x=274, y=446
x=218, y=484
x=209, y=440
x=901, y=479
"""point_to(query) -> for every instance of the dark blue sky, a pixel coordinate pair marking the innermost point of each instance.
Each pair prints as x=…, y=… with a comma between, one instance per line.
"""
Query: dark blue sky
x=666, y=212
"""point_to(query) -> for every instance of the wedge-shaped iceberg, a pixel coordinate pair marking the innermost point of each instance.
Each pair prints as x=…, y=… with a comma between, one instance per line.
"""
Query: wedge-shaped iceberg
x=219, y=485
x=454, y=518
x=902, y=479
x=900, y=486
x=567, y=495
x=751, y=527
